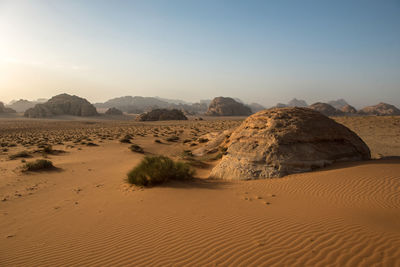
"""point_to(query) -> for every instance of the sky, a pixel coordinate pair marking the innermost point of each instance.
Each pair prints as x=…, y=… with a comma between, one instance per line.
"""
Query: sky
x=259, y=51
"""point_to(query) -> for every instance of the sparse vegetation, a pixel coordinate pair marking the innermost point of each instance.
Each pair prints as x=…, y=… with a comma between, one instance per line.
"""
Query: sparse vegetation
x=22, y=154
x=136, y=148
x=126, y=139
x=38, y=165
x=159, y=169
x=172, y=138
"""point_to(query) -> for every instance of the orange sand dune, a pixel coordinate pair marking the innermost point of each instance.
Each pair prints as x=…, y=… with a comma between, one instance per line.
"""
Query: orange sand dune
x=85, y=215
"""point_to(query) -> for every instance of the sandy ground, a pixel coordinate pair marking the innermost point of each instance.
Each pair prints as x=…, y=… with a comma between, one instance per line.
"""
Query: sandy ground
x=84, y=214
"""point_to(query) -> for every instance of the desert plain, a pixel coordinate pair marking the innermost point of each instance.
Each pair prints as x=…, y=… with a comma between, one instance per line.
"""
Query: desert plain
x=84, y=213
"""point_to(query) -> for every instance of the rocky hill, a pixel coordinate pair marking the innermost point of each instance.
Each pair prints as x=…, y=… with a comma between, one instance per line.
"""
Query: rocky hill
x=22, y=105
x=326, y=109
x=382, y=109
x=113, y=112
x=62, y=104
x=338, y=104
x=4, y=109
x=226, y=106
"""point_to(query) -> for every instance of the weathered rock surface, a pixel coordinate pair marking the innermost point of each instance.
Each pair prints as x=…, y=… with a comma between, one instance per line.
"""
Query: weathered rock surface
x=162, y=115
x=382, y=109
x=3, y=109
x=326, y=109
x=113, y=111
x=62, y=104
x=281, y=141
x=226, y=106
x=348, y=109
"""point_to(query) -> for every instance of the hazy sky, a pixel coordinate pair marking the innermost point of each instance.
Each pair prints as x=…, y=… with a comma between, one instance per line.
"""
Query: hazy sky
x=259, y=51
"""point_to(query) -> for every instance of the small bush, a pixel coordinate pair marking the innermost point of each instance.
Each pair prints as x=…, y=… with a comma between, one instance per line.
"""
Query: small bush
x=136, y=148
x=126, y=139
x=159, y=169
x=172, y=139
x=203, y=140
x=158, y=141
x=38, y=165
x=22, y=154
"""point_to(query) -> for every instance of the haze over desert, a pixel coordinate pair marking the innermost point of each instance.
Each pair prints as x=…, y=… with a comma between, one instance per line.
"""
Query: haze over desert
x=199, y=133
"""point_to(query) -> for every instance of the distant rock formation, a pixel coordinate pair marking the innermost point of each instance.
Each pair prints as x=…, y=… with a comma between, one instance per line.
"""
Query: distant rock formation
x=226, y=106
x=162, y=115
x=62, y=104
x=348, y=109
x=277, y=142
x=22, y=105
x=382, y=109
x=338, y=104
x=255, y=107
x=292, y=103
x=140, y=104
x=326, y=109
x=297, y=103
x=113, y=111
x=3, y=109
x=280, y=105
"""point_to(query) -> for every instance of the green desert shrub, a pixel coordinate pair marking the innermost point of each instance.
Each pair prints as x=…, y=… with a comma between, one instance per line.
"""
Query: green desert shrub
x=38, y=165
x=154, y=170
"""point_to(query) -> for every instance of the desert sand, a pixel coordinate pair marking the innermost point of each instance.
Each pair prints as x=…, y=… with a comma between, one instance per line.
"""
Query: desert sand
x=85, y=214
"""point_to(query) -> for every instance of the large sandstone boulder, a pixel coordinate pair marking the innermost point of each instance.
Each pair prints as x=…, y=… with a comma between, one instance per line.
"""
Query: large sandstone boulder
x=113, y=112
x=162, y=115
x=63, y=104
x=3, y=109
x=226, y=106
x=281, y=141
x=326, y=109
x=347, y=109
x=382, y=109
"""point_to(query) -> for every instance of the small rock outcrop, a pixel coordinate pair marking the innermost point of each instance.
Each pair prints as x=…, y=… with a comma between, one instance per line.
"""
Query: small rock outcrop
x=62, y=104
x=3, y=109
x=162, y=115
x=226, y=106
x=113, y=112
x=281, y=141
x=382, y=109
x=348, y=109
x=326, y=109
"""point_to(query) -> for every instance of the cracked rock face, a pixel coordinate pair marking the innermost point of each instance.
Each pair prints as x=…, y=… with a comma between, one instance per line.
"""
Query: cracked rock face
x=281, y=141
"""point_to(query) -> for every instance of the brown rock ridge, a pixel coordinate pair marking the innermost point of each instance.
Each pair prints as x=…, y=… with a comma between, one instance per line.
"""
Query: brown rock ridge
x=326, y=109
x=162, y=115
x=382, y=109
x=281, y=141
x=226, y=106
x=62, y=104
